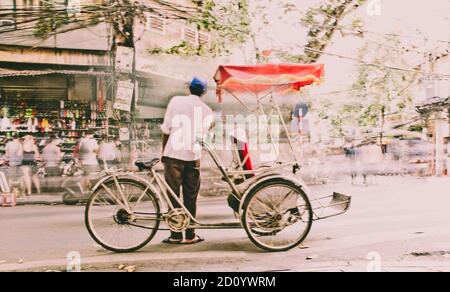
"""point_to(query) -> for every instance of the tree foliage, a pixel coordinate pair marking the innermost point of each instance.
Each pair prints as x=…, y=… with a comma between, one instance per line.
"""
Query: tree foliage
x=229, y=22
x=378, y=93
x=234, y=23
x=49, y=21
x=324, y=20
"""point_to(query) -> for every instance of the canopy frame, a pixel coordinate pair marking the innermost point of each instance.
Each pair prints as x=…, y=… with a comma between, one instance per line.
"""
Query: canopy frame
x=274, y=106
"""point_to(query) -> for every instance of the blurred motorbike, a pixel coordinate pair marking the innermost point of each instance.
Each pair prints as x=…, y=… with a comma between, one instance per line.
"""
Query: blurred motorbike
x=76, y=186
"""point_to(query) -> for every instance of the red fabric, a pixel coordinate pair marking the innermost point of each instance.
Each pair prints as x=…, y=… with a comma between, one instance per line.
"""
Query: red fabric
x=244, y=153
x=101, y=95
x=260, y=78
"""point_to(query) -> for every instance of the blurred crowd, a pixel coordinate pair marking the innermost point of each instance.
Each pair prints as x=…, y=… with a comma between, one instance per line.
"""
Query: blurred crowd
x=24, y=159
x=398, y=157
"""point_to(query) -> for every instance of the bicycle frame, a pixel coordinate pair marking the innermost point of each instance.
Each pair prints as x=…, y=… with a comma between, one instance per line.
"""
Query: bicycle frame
x=164, y=193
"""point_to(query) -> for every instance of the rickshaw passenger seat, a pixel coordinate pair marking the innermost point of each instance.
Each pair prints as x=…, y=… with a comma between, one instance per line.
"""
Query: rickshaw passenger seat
x=244, y=155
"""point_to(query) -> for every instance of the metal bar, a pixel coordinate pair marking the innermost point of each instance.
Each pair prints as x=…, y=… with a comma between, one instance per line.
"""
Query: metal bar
x=329, y=216
x=261, y=109
x=121, y=193
x=222, y=169
x=258, y=170
x=161, y=183
x=332, y=205
x=239, y=100
x=230, y=225
x=115, y=198
x=275, y=103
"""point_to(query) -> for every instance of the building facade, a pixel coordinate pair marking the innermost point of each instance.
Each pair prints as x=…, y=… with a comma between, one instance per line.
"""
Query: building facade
x=70, y=71
x=435, y=108
x=53, y=86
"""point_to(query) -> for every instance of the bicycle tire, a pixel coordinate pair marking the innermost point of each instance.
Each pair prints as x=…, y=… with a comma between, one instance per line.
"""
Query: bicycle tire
x=252, y=233
x=138, y=246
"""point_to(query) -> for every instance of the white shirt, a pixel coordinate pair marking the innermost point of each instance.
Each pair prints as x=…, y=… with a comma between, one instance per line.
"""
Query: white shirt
x=88, y=151
x=187, y=118
x=107, y=151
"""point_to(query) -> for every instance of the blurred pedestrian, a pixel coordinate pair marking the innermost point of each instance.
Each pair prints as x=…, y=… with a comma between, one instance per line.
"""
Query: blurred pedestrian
x=88, y=152
x=14, y=152
x=370, y=157
x=14, y=156
x=107, y=152
x=447, y=155
x=350, y=155
x=119, y=150
x=52, y=157
x=29, y=168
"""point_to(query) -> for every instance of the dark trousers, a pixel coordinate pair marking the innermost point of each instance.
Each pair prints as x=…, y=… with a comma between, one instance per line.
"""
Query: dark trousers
x=185, y=174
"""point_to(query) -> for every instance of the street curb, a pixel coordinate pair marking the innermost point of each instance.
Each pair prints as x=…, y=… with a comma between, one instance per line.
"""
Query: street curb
x=34, y=203
x=114, y=260
x=43, y=199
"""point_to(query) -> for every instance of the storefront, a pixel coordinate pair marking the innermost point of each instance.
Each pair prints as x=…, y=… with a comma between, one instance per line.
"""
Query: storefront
x=52, y=103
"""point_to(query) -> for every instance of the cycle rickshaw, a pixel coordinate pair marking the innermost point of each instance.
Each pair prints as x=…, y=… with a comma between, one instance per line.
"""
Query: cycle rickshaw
x=270, y=202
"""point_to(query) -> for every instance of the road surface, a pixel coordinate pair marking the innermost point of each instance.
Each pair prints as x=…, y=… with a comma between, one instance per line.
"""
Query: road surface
x=395, y=225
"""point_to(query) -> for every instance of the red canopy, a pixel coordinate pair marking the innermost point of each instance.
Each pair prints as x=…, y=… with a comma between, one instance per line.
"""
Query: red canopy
x=260, y=78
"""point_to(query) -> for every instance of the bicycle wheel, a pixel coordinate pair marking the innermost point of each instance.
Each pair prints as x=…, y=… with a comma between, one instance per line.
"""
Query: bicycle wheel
x=111, y=226
x=277, y=215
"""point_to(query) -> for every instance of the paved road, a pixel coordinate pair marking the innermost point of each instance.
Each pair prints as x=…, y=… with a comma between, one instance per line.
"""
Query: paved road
x=388, y=222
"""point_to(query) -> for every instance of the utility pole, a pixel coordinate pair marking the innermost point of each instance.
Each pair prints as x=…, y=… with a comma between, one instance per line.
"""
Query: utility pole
x=123, y=35
x=440, y=120
x=448, y=50
x=383, y=119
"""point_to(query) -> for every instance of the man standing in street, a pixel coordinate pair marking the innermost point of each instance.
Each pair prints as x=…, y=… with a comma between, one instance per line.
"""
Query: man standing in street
x=187, y=118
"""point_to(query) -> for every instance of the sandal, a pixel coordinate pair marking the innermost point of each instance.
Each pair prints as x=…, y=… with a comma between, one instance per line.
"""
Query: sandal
x=196, y=239
x=170, y=240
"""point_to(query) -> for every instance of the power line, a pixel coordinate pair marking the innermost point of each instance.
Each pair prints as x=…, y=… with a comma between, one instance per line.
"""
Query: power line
x=360, y=61
x=305, y=47
x=359, y=31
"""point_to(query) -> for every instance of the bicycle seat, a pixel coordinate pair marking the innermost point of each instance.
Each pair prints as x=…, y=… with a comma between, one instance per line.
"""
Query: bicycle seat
x=147, y=165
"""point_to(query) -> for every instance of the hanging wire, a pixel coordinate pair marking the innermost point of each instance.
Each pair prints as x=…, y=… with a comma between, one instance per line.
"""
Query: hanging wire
x=99, y=8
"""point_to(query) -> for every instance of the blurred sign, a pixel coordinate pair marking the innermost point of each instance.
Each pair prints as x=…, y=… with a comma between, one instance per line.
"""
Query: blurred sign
x=267, y=53
x=124, y=59
x=124, y=97
x=8, y=200
x=301, y=109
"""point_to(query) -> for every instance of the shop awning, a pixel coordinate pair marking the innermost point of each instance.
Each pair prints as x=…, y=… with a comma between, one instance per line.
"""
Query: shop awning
x=5, y=72
x=259, y=78
x=435, y=104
